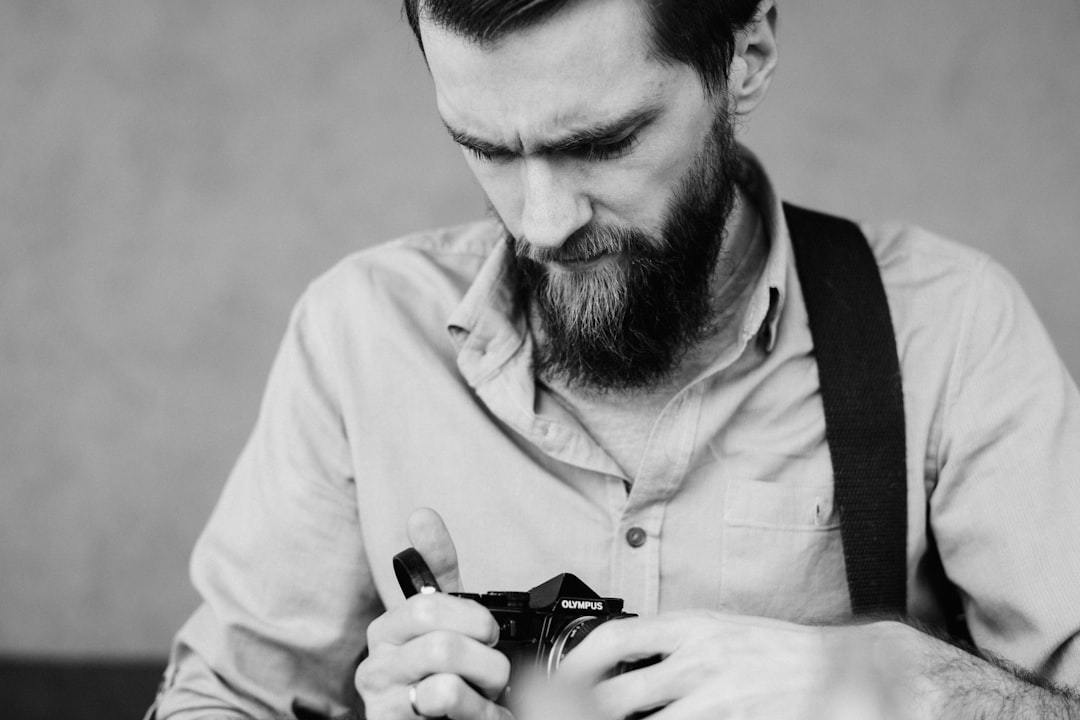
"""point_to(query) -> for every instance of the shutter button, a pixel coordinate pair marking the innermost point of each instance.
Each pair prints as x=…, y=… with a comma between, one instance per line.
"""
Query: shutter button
x=635, y=536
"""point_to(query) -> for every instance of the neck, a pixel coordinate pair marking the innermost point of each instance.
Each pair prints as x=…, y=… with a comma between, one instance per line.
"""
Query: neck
x=742, y=261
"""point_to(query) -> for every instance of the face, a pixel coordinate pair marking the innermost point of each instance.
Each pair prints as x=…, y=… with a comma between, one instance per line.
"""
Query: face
x=608, y=170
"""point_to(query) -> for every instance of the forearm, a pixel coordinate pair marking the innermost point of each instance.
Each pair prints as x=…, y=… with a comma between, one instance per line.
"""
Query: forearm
x=946, y=682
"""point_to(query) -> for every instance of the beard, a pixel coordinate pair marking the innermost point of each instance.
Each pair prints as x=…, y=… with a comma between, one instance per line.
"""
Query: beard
x=627, y=323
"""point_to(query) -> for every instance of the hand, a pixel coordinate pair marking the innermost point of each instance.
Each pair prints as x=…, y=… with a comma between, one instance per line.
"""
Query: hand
x=440, y=644
x=721, y=666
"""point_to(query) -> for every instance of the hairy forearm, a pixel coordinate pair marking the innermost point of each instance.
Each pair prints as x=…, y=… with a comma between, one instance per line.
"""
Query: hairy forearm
x=947, y=682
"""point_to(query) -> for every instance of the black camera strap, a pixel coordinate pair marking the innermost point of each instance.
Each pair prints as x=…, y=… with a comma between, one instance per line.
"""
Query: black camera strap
x=855, y=350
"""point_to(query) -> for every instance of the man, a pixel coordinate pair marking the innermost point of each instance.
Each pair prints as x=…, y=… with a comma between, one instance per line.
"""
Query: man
x=614, y=376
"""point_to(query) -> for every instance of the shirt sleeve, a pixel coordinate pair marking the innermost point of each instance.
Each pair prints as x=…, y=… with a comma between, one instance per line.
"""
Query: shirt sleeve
x=1006, y=507
x=286, y=591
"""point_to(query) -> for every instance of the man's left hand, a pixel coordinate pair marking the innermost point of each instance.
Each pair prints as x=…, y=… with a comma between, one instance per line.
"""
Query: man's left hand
x=717, y=666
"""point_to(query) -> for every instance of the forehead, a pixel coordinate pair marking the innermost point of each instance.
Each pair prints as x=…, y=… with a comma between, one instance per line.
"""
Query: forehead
x=587, y=62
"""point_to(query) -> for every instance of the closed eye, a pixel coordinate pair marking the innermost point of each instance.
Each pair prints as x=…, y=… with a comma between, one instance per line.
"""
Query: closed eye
x=605, y=141
x=601, y=151
x=488, y=156
x=590, y=152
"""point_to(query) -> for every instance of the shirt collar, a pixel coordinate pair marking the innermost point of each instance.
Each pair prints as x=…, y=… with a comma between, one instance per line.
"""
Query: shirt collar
x=485, y=327
x=767, y=304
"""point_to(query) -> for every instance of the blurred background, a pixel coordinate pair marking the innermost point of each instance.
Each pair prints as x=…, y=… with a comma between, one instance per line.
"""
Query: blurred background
x=172, y=174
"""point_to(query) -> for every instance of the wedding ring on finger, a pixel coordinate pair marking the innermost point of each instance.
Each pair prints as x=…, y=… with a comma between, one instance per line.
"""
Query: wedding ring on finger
x=412, y=701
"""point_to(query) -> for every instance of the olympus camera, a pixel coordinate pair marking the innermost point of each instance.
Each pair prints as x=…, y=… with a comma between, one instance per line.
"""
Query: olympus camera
x=537, y=628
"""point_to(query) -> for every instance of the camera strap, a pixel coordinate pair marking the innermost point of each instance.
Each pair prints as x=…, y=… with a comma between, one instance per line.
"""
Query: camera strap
x=859, y=372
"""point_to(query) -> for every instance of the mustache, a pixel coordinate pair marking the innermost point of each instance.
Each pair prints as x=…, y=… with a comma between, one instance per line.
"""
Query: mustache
x=585, y=244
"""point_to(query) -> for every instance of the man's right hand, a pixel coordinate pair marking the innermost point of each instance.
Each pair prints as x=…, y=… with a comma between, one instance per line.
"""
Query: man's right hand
x=441, y=645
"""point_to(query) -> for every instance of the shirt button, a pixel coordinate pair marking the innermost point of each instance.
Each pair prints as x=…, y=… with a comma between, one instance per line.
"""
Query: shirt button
x=635, y=537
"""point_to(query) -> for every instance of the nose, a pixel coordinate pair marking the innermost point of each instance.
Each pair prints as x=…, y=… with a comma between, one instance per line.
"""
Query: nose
x=554, y=207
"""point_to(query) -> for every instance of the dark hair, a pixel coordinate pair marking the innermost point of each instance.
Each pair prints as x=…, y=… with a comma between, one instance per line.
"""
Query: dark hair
x=698, y=33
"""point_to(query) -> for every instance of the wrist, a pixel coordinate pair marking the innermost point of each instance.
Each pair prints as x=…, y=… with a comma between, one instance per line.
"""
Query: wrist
x=940, y=680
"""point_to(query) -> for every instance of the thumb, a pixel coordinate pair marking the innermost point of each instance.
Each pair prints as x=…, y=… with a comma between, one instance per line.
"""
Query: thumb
x=428, y=534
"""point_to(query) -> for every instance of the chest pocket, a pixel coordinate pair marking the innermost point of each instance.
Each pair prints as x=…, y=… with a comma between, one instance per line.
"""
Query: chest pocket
x=781, y=552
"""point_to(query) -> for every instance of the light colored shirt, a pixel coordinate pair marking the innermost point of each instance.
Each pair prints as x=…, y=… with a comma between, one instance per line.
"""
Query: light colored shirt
x=405, y=381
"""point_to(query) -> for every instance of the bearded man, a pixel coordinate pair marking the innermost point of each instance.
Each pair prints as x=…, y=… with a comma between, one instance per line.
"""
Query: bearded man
x=620, y=374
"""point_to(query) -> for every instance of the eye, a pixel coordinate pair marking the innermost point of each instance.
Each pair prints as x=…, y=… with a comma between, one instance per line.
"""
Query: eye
x=599, y=152
x=488, y=157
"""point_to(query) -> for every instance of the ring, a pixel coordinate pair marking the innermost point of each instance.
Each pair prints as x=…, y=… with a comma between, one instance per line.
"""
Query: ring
x=412, y=701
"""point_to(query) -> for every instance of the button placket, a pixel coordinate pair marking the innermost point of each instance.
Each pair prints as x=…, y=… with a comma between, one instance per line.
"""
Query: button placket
x=660, y=474
x=637, y=558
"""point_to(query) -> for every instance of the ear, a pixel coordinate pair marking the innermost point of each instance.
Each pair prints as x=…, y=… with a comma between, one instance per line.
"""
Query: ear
x=755, y=59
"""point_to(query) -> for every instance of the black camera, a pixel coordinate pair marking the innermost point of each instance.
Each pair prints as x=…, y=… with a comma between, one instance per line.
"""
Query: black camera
x=536, y=628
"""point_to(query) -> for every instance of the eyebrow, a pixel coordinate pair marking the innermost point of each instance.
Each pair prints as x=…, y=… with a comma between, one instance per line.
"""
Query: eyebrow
x=605, y=132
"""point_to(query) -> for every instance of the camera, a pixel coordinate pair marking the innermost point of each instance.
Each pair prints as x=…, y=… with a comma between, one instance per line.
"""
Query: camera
x=538, y=627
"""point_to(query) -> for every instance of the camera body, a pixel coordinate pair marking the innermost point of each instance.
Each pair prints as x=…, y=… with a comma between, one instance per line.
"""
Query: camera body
x=538, y=627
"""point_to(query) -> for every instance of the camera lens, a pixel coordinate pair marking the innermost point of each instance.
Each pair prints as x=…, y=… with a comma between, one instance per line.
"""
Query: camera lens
x=571, y=636
x=576, y=631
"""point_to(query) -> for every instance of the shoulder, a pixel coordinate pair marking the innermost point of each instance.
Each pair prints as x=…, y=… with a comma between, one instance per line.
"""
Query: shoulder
x=931, y=279
x=410, y=262
x=909, y=253
x=425, y=272
x=962, y=321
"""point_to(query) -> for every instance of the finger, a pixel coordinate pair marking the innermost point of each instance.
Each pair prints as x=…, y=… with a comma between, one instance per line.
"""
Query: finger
x=486, y=669
x=483, y=667
x=422, y=614
x=428, y=534
x=700, y=705
x=640, y=690
x=447, y=695
x=624, y=640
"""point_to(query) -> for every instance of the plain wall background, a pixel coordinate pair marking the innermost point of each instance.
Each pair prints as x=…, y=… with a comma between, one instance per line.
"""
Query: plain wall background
x=172, y=174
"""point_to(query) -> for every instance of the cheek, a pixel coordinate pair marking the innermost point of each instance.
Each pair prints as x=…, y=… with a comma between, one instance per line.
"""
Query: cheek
x=653, y=175
x=501, y=185
x=638, y=191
